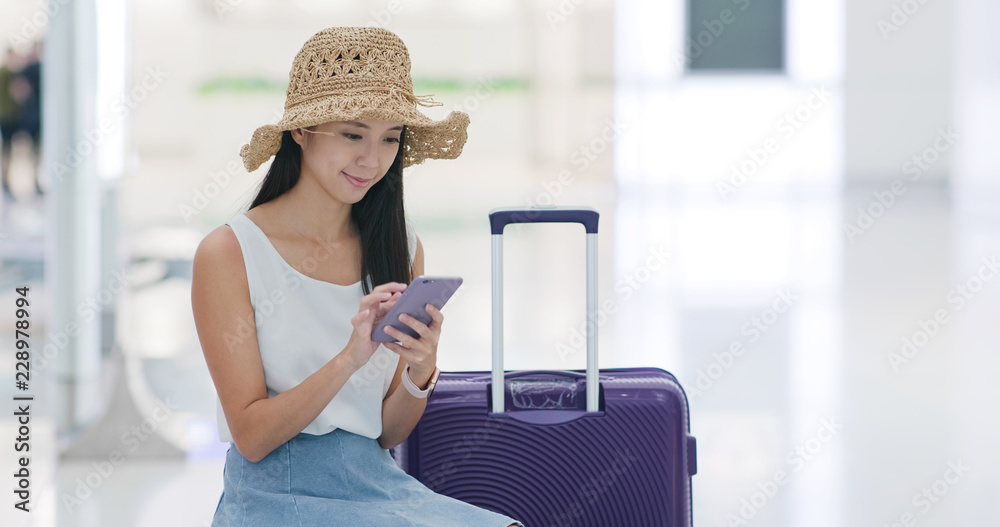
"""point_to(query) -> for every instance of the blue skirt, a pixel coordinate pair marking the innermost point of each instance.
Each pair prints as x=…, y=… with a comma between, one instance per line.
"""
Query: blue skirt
x=338, y=478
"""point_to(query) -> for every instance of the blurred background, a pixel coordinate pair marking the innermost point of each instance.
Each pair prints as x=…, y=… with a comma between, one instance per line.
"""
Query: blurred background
x=798, y=219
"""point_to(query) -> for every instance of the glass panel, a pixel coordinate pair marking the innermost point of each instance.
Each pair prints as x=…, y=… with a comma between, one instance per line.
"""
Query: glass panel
x=735, y=35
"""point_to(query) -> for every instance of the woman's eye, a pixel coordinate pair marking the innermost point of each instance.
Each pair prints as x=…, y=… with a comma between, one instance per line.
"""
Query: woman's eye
x=392, y=139
x=352, y=137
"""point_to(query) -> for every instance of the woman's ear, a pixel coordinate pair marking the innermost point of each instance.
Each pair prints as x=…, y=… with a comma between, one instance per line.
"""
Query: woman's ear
x=299, y=136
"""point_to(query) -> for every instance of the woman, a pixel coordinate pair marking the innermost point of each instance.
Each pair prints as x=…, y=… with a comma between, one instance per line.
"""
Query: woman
x=309, y=403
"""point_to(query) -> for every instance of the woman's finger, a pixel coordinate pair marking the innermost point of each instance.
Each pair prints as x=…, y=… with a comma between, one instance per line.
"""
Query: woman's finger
x=362, y=322
x=418, y=326
x=385, y=305
x=410, y=355
x=390, y=287
x=410, y=343
x=394, y=346
x=404, y=353
x=437, y=318
x=373, y=300
x=397, y=334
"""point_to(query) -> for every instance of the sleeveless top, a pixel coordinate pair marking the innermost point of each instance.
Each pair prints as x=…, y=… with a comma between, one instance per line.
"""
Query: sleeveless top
x=302, y=323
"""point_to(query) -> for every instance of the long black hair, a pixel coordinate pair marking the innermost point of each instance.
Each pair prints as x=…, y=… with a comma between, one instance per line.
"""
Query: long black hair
x=379, y=216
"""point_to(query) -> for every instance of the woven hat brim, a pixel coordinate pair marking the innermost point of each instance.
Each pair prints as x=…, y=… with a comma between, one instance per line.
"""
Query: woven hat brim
x=425, y=137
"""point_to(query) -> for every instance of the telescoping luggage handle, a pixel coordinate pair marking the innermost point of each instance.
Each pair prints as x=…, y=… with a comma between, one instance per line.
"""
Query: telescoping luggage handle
x=500, y=218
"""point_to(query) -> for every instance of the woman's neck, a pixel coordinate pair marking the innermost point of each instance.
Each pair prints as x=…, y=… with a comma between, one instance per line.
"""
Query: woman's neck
x=314, y=214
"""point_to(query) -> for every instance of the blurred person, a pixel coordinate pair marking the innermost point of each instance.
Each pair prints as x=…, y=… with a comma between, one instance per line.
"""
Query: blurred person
x=30, y=119
x=9, y=112
x=285, y=297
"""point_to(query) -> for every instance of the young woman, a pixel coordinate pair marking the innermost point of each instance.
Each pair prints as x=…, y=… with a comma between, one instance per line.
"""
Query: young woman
x=285, y=297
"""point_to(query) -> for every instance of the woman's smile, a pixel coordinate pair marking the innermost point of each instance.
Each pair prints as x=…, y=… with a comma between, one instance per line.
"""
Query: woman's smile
x=357, y=182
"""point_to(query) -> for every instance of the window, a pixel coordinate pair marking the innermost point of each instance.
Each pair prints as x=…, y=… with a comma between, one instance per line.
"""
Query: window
x=735, y=35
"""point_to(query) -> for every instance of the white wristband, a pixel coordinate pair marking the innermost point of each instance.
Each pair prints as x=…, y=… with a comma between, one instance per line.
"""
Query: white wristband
x=412, y=387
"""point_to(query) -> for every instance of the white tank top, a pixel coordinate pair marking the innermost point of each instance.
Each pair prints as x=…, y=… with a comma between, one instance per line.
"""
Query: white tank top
x=302, y=323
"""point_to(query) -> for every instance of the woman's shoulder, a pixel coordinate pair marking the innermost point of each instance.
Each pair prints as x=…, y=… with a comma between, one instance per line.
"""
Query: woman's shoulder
x=219, y=247
x=218, y=273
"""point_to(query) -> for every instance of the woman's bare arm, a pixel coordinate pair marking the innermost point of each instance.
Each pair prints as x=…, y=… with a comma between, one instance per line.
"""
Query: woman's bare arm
x=224, y=318
x=401, y=411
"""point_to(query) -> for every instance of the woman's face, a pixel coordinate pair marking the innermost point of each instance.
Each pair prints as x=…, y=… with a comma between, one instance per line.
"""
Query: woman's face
x=348, y=157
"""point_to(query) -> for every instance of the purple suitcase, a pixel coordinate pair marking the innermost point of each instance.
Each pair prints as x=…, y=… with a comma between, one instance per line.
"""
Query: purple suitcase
x=540, y=446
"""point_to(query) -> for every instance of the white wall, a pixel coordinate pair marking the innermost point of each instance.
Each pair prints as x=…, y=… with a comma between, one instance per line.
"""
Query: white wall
x=897, y=88
x=976, y=97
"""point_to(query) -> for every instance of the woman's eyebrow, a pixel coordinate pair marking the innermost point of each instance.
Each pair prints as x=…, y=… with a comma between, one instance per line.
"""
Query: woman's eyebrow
x=359, y=124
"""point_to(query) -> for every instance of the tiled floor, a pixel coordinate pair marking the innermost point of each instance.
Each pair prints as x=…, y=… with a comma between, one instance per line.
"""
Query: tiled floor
x=821, y=392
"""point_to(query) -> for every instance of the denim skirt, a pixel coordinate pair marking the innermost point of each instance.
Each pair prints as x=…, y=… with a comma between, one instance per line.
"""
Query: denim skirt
x=336, y=479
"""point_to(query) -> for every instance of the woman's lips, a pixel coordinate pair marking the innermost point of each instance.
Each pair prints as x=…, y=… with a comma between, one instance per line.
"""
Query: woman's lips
x=357, y=182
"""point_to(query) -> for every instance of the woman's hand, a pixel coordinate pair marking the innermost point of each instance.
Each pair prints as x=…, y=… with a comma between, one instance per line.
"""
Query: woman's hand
x=419, y=352
x=373, y=307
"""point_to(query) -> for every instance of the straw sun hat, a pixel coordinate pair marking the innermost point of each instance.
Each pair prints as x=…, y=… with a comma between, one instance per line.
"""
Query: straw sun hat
x=348, y=73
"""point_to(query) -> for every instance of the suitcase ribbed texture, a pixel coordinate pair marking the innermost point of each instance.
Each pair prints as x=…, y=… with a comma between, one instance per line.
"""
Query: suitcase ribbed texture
x=623, y=467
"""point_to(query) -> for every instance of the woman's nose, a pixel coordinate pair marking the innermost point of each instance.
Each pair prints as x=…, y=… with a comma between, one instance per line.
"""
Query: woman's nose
x=369, y=154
